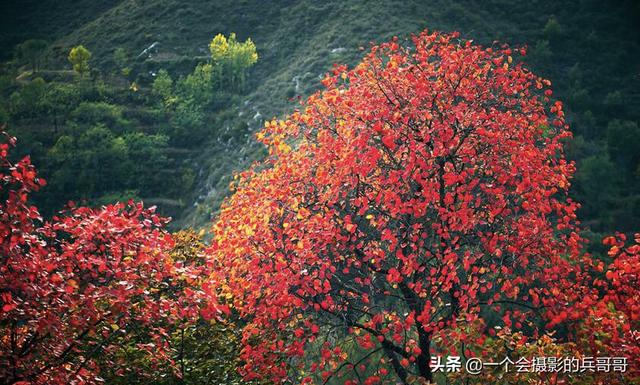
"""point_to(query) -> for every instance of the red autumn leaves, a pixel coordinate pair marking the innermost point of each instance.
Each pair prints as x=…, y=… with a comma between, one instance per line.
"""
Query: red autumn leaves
x=421, y=191
x=425, y=184
x=421, y=194
x=71, y=285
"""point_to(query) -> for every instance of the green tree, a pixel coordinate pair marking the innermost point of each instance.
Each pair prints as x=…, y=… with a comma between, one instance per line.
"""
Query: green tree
x=163, y=87
x=552, y=29
x=31, y=51
x=198, y=86
x=59, y=100
x=88, y=114
x=187, y=121
x=596, y=187
x=79, y=58
x=205, y=352
x=28, y=100
x=95, y=163
x=541, y=52
x=150, y=165
x=121, y=59
x=623, y=142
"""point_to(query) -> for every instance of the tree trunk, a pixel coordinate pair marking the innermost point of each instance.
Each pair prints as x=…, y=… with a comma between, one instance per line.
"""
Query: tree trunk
x=423, y=361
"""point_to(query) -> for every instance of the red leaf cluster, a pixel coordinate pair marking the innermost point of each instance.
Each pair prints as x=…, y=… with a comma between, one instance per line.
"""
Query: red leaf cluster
x=421, y=187
x=70, y=286
x=600, y=303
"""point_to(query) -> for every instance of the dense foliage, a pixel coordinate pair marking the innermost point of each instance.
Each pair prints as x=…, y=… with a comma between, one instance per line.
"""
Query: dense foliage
x=422, y=185
x=203, y=351
x=422, y=204
x=424, y=192
x=79, y=58
x=98, y=294
x=69, y=285
x=101, y=140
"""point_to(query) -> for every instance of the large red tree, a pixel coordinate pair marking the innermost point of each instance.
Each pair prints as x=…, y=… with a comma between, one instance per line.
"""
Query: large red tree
x=418, y=192
x=72, y=286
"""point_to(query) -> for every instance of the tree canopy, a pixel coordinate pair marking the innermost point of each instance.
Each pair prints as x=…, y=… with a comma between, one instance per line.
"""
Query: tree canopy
x=72, y=286
x=79, y=58
x=420, y=195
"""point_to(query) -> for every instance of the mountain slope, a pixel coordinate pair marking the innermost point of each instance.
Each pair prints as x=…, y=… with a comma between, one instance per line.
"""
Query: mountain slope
x=589, y=49
x=45, y=19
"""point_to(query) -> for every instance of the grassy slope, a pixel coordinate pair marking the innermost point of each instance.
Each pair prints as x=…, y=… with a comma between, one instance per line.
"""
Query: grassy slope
x=45, y=19
x=297, y=39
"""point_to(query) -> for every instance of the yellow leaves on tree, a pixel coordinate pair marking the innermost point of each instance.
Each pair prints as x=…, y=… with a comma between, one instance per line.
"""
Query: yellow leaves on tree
x=79, y=58
x=232, y=58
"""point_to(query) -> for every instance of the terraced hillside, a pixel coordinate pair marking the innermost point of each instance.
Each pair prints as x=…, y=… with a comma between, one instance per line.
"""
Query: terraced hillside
x=589, y=49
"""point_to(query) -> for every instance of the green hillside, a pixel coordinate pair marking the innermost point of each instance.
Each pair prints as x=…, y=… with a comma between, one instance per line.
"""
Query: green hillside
x=589, y=49
x=46, y=19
